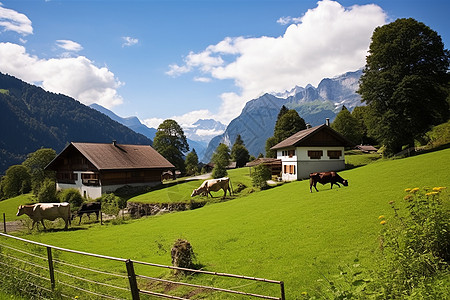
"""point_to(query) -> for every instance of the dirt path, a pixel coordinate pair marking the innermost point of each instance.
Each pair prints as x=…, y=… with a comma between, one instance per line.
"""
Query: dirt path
x=13, y=226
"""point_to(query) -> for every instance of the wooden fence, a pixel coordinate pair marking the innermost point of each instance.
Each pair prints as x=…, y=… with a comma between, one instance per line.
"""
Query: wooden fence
x=47, y=272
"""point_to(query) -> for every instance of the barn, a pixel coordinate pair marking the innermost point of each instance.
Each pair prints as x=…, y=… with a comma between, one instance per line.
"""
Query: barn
x=95, y=169
x=315, y=149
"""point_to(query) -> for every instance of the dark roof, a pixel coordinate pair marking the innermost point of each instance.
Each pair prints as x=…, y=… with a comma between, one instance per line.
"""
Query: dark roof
x=366, y=148
x=307, y=138
x=117, y=156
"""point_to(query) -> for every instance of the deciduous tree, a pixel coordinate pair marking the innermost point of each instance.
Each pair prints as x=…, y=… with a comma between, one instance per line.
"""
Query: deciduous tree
x=404, y=82
x=171, y=143
x=36, y=162
x=348, y=126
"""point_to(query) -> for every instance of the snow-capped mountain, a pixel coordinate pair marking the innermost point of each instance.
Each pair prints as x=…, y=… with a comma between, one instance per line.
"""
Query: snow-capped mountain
x=256, y=122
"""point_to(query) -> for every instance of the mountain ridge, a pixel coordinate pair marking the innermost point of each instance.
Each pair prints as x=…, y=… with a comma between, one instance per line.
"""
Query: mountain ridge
x=256, y=122
x=33, y=118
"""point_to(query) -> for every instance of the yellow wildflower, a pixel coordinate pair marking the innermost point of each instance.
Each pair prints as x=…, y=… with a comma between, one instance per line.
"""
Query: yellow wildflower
x=431, y=193
x=383, y=222
x=407, y=190
x=438, y=189
x=381, y=217
x=414, y=190
x=304, y=293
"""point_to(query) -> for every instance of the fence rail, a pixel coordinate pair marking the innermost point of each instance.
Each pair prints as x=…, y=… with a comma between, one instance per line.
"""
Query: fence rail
x=131, y=287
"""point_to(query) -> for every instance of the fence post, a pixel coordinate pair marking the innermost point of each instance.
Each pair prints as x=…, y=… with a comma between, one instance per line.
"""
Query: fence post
x=132, y=280
x=50, y=267
x=4, y=223
x=283, y=297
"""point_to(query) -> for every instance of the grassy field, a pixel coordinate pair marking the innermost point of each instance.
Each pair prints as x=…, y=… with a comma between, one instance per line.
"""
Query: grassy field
x=180, y=191
x=284, y=233
x=9, y=207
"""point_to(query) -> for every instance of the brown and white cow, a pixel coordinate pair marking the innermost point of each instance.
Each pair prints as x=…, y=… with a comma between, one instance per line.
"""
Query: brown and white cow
x=324, y=178
x=213, y=185
x=46, y=211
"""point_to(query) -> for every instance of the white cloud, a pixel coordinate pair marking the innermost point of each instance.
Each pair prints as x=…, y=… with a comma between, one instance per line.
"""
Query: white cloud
x=129, y=41
x=202, y=79
x=11, y=20
x=69, y=45
x=76, y=77
x=326, y=41
x=288, y=20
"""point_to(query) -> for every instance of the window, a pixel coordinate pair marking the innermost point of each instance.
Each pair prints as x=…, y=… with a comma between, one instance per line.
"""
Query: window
x=315, y=154
x=289, y=153
x=334, y=154
x=289, y=169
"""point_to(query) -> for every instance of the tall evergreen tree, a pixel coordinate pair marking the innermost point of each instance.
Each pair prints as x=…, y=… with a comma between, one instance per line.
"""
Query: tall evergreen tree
x=221, y=159
x=191, y=163
x=171, y=143
x=404, y=82
x=239, y=152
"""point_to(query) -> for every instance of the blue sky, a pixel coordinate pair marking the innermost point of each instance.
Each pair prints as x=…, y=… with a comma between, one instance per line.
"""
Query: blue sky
x=192, y=59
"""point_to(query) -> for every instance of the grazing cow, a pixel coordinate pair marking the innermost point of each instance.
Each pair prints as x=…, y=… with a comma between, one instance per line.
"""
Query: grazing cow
x=48, y=211
x=89, y=208
x=213, y=185
x=324, y=178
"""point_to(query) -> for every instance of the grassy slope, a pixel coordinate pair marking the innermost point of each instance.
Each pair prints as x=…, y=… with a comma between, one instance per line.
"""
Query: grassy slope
x=181, y=191
x=284, y=233
x=9, y=206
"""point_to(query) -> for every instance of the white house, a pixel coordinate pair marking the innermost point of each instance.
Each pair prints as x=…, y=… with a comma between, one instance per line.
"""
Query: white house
x=316, y=149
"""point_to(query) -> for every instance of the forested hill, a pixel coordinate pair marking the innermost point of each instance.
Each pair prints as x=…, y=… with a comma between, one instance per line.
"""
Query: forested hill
x=31, y=118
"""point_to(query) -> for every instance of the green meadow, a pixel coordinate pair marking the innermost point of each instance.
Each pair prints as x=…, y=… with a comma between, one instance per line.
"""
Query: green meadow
x=283, y=233
x=9, y=207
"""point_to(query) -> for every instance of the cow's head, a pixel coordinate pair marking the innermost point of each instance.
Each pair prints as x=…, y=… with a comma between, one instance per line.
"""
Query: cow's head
x=20, y=211
x=345, y=182
x=195, y=192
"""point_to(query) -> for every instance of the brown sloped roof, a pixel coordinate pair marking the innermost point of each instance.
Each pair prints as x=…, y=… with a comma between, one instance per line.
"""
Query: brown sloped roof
x=304, y=136
x=117, y=156
x=263, y=160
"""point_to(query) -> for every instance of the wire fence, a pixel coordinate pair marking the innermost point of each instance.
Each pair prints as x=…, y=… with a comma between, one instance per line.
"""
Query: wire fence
x=41, y=271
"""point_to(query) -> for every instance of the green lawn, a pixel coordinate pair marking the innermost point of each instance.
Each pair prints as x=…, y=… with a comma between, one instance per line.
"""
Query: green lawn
x=9, y=206
x=284, y=233
x=180, y=191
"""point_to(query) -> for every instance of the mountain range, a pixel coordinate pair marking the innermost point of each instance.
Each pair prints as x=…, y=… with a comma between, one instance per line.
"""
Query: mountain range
x=257, y=120
x=198, y=134
x=32, y=118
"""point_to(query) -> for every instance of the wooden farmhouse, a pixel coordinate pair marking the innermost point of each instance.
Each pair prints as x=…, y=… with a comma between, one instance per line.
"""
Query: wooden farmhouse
x=316, y=149
x=95, y=169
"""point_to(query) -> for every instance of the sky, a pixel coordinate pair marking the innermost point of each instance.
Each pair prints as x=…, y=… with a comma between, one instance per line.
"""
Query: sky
x=189, y=60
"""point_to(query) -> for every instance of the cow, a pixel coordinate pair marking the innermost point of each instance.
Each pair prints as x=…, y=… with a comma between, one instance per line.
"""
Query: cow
x=324, y=178
x=89, y=208
x=46, y=211
x=213, y=185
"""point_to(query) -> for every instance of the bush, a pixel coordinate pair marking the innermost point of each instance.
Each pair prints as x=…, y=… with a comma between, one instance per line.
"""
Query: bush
x=260, y=176
x=110, y=204
x=47, y=192
x=415, y=244
x=72, y=196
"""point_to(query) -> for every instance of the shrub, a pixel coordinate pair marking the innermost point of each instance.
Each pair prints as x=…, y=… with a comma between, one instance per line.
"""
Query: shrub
x=110, y=204
x=47, y=191
x=260, y=176
x=72, y=196
x=415, y=243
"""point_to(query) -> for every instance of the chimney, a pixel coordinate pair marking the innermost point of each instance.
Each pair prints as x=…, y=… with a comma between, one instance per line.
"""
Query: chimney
x=308, y=126
x=327, y=121
x=114, y=143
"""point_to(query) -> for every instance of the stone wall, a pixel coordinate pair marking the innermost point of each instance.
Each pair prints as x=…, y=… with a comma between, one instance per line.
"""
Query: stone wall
x=137, y=210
